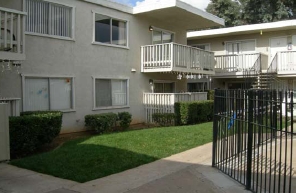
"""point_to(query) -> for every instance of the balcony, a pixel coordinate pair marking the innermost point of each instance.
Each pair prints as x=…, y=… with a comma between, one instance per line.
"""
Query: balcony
x=12, y=34
x=172, y=57
x=236, y=64
x=13, y=105
x=283, y=63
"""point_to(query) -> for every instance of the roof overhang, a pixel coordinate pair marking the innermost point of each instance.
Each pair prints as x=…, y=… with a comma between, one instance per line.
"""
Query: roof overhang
x=178, y=13
x=244, y=29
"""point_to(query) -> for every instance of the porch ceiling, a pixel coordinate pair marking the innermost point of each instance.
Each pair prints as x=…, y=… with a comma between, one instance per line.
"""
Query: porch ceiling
x=180, y=14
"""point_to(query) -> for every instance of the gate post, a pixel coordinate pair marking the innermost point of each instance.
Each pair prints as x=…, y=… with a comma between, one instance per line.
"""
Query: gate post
x=250, y=139
x=215, y=129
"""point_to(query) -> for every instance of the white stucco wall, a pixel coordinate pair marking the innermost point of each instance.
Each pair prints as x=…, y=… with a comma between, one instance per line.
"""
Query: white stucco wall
x=79, y=58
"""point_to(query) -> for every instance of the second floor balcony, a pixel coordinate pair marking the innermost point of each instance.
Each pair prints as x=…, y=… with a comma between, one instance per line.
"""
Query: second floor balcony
x=12, y=34
x=172, y=57
x=284, y=62
x=237, y=64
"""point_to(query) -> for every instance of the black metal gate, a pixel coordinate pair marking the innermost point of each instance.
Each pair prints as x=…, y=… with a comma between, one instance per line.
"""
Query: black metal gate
x=253, y=138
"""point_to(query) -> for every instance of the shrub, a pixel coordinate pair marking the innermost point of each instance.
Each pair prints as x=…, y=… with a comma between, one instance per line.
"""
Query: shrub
x=125, y=119
x=188, y=113
x=164, y=119
x=32, y=130
x=211, y=94
x=101, y=122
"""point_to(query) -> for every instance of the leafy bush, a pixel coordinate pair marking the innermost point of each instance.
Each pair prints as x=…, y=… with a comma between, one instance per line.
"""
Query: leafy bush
x=188, y=113
x=164, y=119
x=32, y=130
x=125, y=119
x=101, y=122
x=211, y=94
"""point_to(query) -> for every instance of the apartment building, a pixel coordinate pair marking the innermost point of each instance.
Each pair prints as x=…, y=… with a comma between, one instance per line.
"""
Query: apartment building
x=96, y=56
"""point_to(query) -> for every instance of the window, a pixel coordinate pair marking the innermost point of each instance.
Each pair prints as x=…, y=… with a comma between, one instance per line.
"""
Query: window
x=48, y=94
x=239, y=47
x=162, y=36
x=110, y=31
x=49, y=18
x=203, y=46
x=111, y=93
x=162, y=87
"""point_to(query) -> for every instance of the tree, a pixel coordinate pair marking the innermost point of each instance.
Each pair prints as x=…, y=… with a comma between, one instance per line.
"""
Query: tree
x=238, y=12
x=229, y=10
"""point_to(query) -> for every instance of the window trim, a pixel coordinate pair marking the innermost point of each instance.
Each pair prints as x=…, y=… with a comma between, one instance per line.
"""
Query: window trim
x=110, y=107
x=166, y=81
x=24, y=76
x=208, y=44
x=236, y=41
x=162, y=30
x=72, y=38
x=94, y=42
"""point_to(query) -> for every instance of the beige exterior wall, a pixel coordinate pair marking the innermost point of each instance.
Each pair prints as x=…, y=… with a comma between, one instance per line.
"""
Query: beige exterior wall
x=262, y=41
x=83, y=60
x=217, y=45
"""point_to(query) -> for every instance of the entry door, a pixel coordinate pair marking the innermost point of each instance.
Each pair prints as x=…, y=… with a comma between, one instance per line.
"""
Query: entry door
x=277, y=45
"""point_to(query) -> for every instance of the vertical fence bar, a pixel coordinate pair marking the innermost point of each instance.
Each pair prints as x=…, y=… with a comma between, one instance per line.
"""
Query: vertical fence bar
x=215, y=128
x=250, y=141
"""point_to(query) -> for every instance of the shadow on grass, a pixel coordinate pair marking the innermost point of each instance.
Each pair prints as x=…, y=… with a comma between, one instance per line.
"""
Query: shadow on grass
x=84, y=162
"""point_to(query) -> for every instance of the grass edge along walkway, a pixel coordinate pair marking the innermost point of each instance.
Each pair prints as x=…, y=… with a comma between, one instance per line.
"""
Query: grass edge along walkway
x=89, y=158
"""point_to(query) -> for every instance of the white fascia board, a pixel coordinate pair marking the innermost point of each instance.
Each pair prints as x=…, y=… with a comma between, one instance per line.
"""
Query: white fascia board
x=200, y=12
x=112, y=5
x=243, y=28
x=180, y=4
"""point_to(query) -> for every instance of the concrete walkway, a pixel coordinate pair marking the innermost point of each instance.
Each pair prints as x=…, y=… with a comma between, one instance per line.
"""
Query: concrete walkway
x=187, y=172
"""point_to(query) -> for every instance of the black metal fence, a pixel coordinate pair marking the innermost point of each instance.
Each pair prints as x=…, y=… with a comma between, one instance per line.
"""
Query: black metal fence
x=253, y=138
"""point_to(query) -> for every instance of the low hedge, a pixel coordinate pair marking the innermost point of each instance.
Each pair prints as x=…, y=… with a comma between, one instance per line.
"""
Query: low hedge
x=106, y=122
x=188, y=113
x=125, y=119
x=32, y=130
x=101, y=122
x=164, y=119
x=211, y=94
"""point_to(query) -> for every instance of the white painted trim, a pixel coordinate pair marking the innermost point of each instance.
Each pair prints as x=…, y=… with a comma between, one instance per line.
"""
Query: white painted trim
x=209, y=44
x=112, y=45
x=24, y=76
x=237, y=41
x=49, y=36
x=162, y=30
x=163, y=4
x=73, y=20
x=111, y=78
x=242, y=29
x=12, y=11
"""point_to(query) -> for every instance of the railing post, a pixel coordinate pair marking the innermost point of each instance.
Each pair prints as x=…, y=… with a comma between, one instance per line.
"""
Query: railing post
x=172, y=56
x=215, y=128
x=250, y=140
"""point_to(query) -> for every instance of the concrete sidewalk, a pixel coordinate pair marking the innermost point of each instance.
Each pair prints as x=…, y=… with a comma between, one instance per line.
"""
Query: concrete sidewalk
x=187, y=172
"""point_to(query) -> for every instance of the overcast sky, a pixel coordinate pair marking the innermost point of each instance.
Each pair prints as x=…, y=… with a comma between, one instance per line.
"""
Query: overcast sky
x=202, y=4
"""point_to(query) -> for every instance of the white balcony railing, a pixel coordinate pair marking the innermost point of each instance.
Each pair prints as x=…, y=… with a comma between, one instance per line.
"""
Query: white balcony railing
x=12, y=34
x=176, y=57
x=13, y=105
x=236, y=62
x=164, y=102
x=283, y=62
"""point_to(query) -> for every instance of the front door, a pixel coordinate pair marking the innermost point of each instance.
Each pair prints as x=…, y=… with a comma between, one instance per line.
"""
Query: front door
x=277, y=45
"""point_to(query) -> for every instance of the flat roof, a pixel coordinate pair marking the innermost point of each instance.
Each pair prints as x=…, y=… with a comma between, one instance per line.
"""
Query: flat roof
x=243, y=29
x=169, y=11
x=176, y=11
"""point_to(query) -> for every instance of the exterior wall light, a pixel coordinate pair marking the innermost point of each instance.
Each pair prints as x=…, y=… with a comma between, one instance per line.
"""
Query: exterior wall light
x=150, y=81
x=150, y=28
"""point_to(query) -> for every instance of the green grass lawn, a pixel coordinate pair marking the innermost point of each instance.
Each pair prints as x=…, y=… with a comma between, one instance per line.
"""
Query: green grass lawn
x=94, y=157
